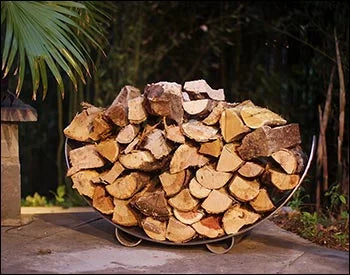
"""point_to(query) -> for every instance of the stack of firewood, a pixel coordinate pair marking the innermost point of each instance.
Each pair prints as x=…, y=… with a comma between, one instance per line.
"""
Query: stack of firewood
x=181, y=162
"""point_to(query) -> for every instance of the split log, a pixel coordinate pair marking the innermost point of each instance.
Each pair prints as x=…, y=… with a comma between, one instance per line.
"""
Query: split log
x=282, y=180
x=217, y=202
x=251, y=170
x=236, y=217
x=212, y=148
x=291, y=160
x=212, y=179
x=199, y=132
x=153, y=204
x=85, y=157
x=183, y=201
x=102, y=201
x=265, y=141
x=229, y=160
x=123, y=214
x=256, y=117
x=178, y=232
x=131, y=146
x=215, y=114
x=155, y=229
x=128, y=133
x=185, y=96
x=98, y=178
x=108, y=149
x=165, y=100
x=125, y=187
x=173, y=132
x=189, y=217
x=140, y=160
x=232, y=127
x=243, y=189
x=117, y=112
x=136, y=110
x=239, y=106
x=186, y=156
x=111, y=175
x=79, y=128
x=201, y=86
x=198, y=107
x=262, y=202
x=172, y=183
x=99, y=128
x=156, y=144
x=197, y=190
x=209, y=227
x=82, y=181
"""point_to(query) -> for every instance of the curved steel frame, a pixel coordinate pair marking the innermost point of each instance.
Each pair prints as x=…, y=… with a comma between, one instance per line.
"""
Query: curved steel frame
x=138, y=232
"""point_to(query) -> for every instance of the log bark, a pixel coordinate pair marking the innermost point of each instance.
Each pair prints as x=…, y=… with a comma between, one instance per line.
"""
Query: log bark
x=229, y=160
x=212, y=148
x=232, y=126
x=102, y=201
x=236, y=217
x=217, y=202
x=153, y=204
x=251, y=170
x=172, y=183
x=262, y=202
x=209, y=227
x=178, y=232
x=199, y=132
x=186, y=156
x=291, y=160
x=243, y=189
x=201, y=86
x=118, y=110
x=256, y=117
x=99, y=128
x=165, y=100
x=109, y=149
x=212, y=179
x=183, y=201
x=123, y=214
x=264, y=141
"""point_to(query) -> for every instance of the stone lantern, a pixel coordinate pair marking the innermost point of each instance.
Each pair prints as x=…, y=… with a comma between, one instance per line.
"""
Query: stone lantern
x=13, y=112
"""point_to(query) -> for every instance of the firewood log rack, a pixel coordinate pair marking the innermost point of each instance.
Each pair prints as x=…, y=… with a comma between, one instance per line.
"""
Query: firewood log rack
x=133, y=236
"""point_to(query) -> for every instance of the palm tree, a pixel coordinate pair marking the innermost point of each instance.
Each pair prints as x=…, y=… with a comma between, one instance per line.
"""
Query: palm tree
x=53, y=34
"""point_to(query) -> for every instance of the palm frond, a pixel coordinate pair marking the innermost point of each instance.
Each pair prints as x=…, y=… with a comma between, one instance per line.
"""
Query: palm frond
x=45, y=33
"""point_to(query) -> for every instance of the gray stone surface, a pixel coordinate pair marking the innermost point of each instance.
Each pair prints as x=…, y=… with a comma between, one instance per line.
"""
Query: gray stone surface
x=85, y=243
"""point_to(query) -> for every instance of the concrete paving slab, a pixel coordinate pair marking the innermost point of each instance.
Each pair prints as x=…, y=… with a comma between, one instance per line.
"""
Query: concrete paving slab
x=91, y=247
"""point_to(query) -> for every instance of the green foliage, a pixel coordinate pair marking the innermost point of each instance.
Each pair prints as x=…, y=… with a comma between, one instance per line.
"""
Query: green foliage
x=35, y=200
x=44, y=34
x=309, y=222
x=336, y=197
x=298, y=199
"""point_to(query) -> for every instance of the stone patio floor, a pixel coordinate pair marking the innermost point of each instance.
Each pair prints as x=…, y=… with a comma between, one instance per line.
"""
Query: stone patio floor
x=79, y=240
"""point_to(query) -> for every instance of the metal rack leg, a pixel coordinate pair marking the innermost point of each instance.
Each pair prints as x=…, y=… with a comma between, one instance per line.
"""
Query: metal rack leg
x=127, y=239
